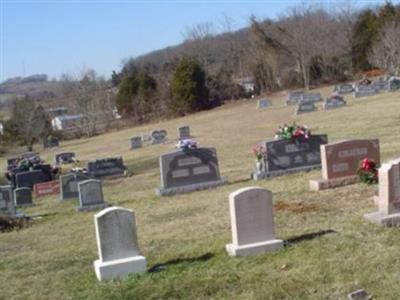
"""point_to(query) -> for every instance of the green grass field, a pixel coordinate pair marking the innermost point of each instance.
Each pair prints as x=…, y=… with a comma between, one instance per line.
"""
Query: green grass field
x=331, y=250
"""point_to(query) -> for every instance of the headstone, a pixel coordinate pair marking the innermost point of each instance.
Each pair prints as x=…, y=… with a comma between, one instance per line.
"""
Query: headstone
x=388, y=213
x=30, y=178
x=158, y=136
x=136, y=142
x=345, y=88
x=50, y=142
x=380, y=85
x=358, y=295
x=394, y=84
x=341, y=160
x=334, y=102
x=186, y=170
x=108, y=167
x=117, y=244
x=90, y=195
x=364, y=91
x=294, y=97
x=263, y=103
x=47, y=188
x=288, y=156
x=33, y=157
x=7, y=205
x=23, y=196
x=69, y=185
x=146, y=138
x=64, y=158
x=252, y=222
x=311, y=97
x=305, y=107
x=184, y=132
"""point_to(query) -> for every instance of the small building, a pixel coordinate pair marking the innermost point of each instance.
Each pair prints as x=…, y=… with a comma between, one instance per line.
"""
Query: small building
x=68, y=122
x=57, y=111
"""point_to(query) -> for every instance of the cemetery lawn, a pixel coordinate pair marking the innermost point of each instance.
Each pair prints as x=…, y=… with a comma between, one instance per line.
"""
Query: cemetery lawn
x=331, y=250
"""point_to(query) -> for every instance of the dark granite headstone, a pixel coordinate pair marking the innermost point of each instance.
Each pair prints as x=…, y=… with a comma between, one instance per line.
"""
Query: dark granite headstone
x=50, y=142
x=288, y=156
x=184, y=132
x=7, y=206
x=30, y=178
x=106, y=167
x=136, y=142
x=305, y=107
x=311, y=97
x=23, y=196
x=69, y=185
x=345, y=88
x=380, y=85
x=90, y=195
x=294, y=97
x=364, y=91
x=334, y=102
x=394, y=84
x=64, y=158
x=158, y=136
x=186, y=170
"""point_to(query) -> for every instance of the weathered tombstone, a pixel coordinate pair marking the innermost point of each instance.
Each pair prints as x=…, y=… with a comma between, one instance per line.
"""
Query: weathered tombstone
x=90, y=195
x=311, y=97
x=23, y=196
x=108, y=167
x=136, y=142
x=334, y=102
x=146, y=138
x=294, y=97
x=158, y=136
x=64, y=158
x=263, y=103
x=288, y=156
x=252, y=222
x=69, y=185
x=341, y=160
x=30, y=178
x=305, y=107
x=394, y=84
x=364, y=91
x=117, y=244
x=345, y=88
x=358, y=295
x=7, y=205
x=184, y=132
x=388, y=213
x=187, y=170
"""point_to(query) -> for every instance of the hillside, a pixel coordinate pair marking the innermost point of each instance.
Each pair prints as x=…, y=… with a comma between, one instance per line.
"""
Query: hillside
x=331, y=250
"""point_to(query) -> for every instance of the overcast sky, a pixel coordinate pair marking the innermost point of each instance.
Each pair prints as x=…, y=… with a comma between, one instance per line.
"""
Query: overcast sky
x=60, y=36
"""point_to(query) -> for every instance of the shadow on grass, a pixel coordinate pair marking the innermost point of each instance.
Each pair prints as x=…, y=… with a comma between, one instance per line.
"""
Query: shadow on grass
x=306, y=237
x=163, y=266
x=137, y=166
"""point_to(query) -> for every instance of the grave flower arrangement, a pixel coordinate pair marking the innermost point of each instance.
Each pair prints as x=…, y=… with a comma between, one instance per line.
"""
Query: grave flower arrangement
x=293, y=132
x=368, y=171
x=259, y=152
x=187, y=144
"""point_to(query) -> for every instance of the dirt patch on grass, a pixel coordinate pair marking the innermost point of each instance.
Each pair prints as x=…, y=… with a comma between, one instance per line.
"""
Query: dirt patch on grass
x=296, y=207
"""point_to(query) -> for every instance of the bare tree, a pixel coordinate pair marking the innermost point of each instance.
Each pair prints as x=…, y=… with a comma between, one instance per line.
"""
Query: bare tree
x=199, y=32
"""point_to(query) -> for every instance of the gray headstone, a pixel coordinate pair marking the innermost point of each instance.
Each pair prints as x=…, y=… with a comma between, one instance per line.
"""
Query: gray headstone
x=186, y=170
x=334, y=102
x=263, y=103
x=345, y=88
x=158, y=136
x=287, y=156
x=305, y=107
x=294, y=97
x=90, y=195
x=136, y=142
x=394, y=84
x=146, y=138
x=364, y=91
x=184, y=132
x=7, y=205
x=358, y=295
x=107, y=167
x=311, y=97
x=23, y=196
x=69, y=185
x=64, y=158
x=380, y=85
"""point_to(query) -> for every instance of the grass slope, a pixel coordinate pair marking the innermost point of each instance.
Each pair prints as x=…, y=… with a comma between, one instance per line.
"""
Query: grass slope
x=331, y=249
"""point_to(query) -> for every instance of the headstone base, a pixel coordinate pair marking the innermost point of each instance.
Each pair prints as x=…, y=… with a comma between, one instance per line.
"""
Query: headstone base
x=250, y=249
x=91, y=207
x=391, y=220
x=119, y=267
x=264, y=175
x=190, y=188
x=323, y=184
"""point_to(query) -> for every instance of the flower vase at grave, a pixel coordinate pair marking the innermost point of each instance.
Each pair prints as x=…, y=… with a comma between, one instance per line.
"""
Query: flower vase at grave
x=259, y=166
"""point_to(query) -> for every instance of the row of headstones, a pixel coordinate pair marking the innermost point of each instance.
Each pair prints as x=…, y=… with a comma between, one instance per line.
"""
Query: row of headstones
x=158, y=137
x=306, y=101
x=11, y=199
x=252, y=225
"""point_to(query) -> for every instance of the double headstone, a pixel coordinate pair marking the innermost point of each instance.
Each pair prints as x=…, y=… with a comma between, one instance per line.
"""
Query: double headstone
x=136, y=142
x=334, y=102
x=30, y=178
x=184, y=132
x=388, y=213
x=117, y=244
x=311, y=97
x=69, y=185
x=64, y=158
x=288, y=156
x=23, y=196
x=186, y=170
x=252, y=222
x=90, y=195
x=345, y=88
x=305, y=106
x=263, y=103
x=7, y=205
x=294, y=98
x=108, y=167
x=380, y=85
x=158, y=136
x=364, y=91
x=341, y=160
